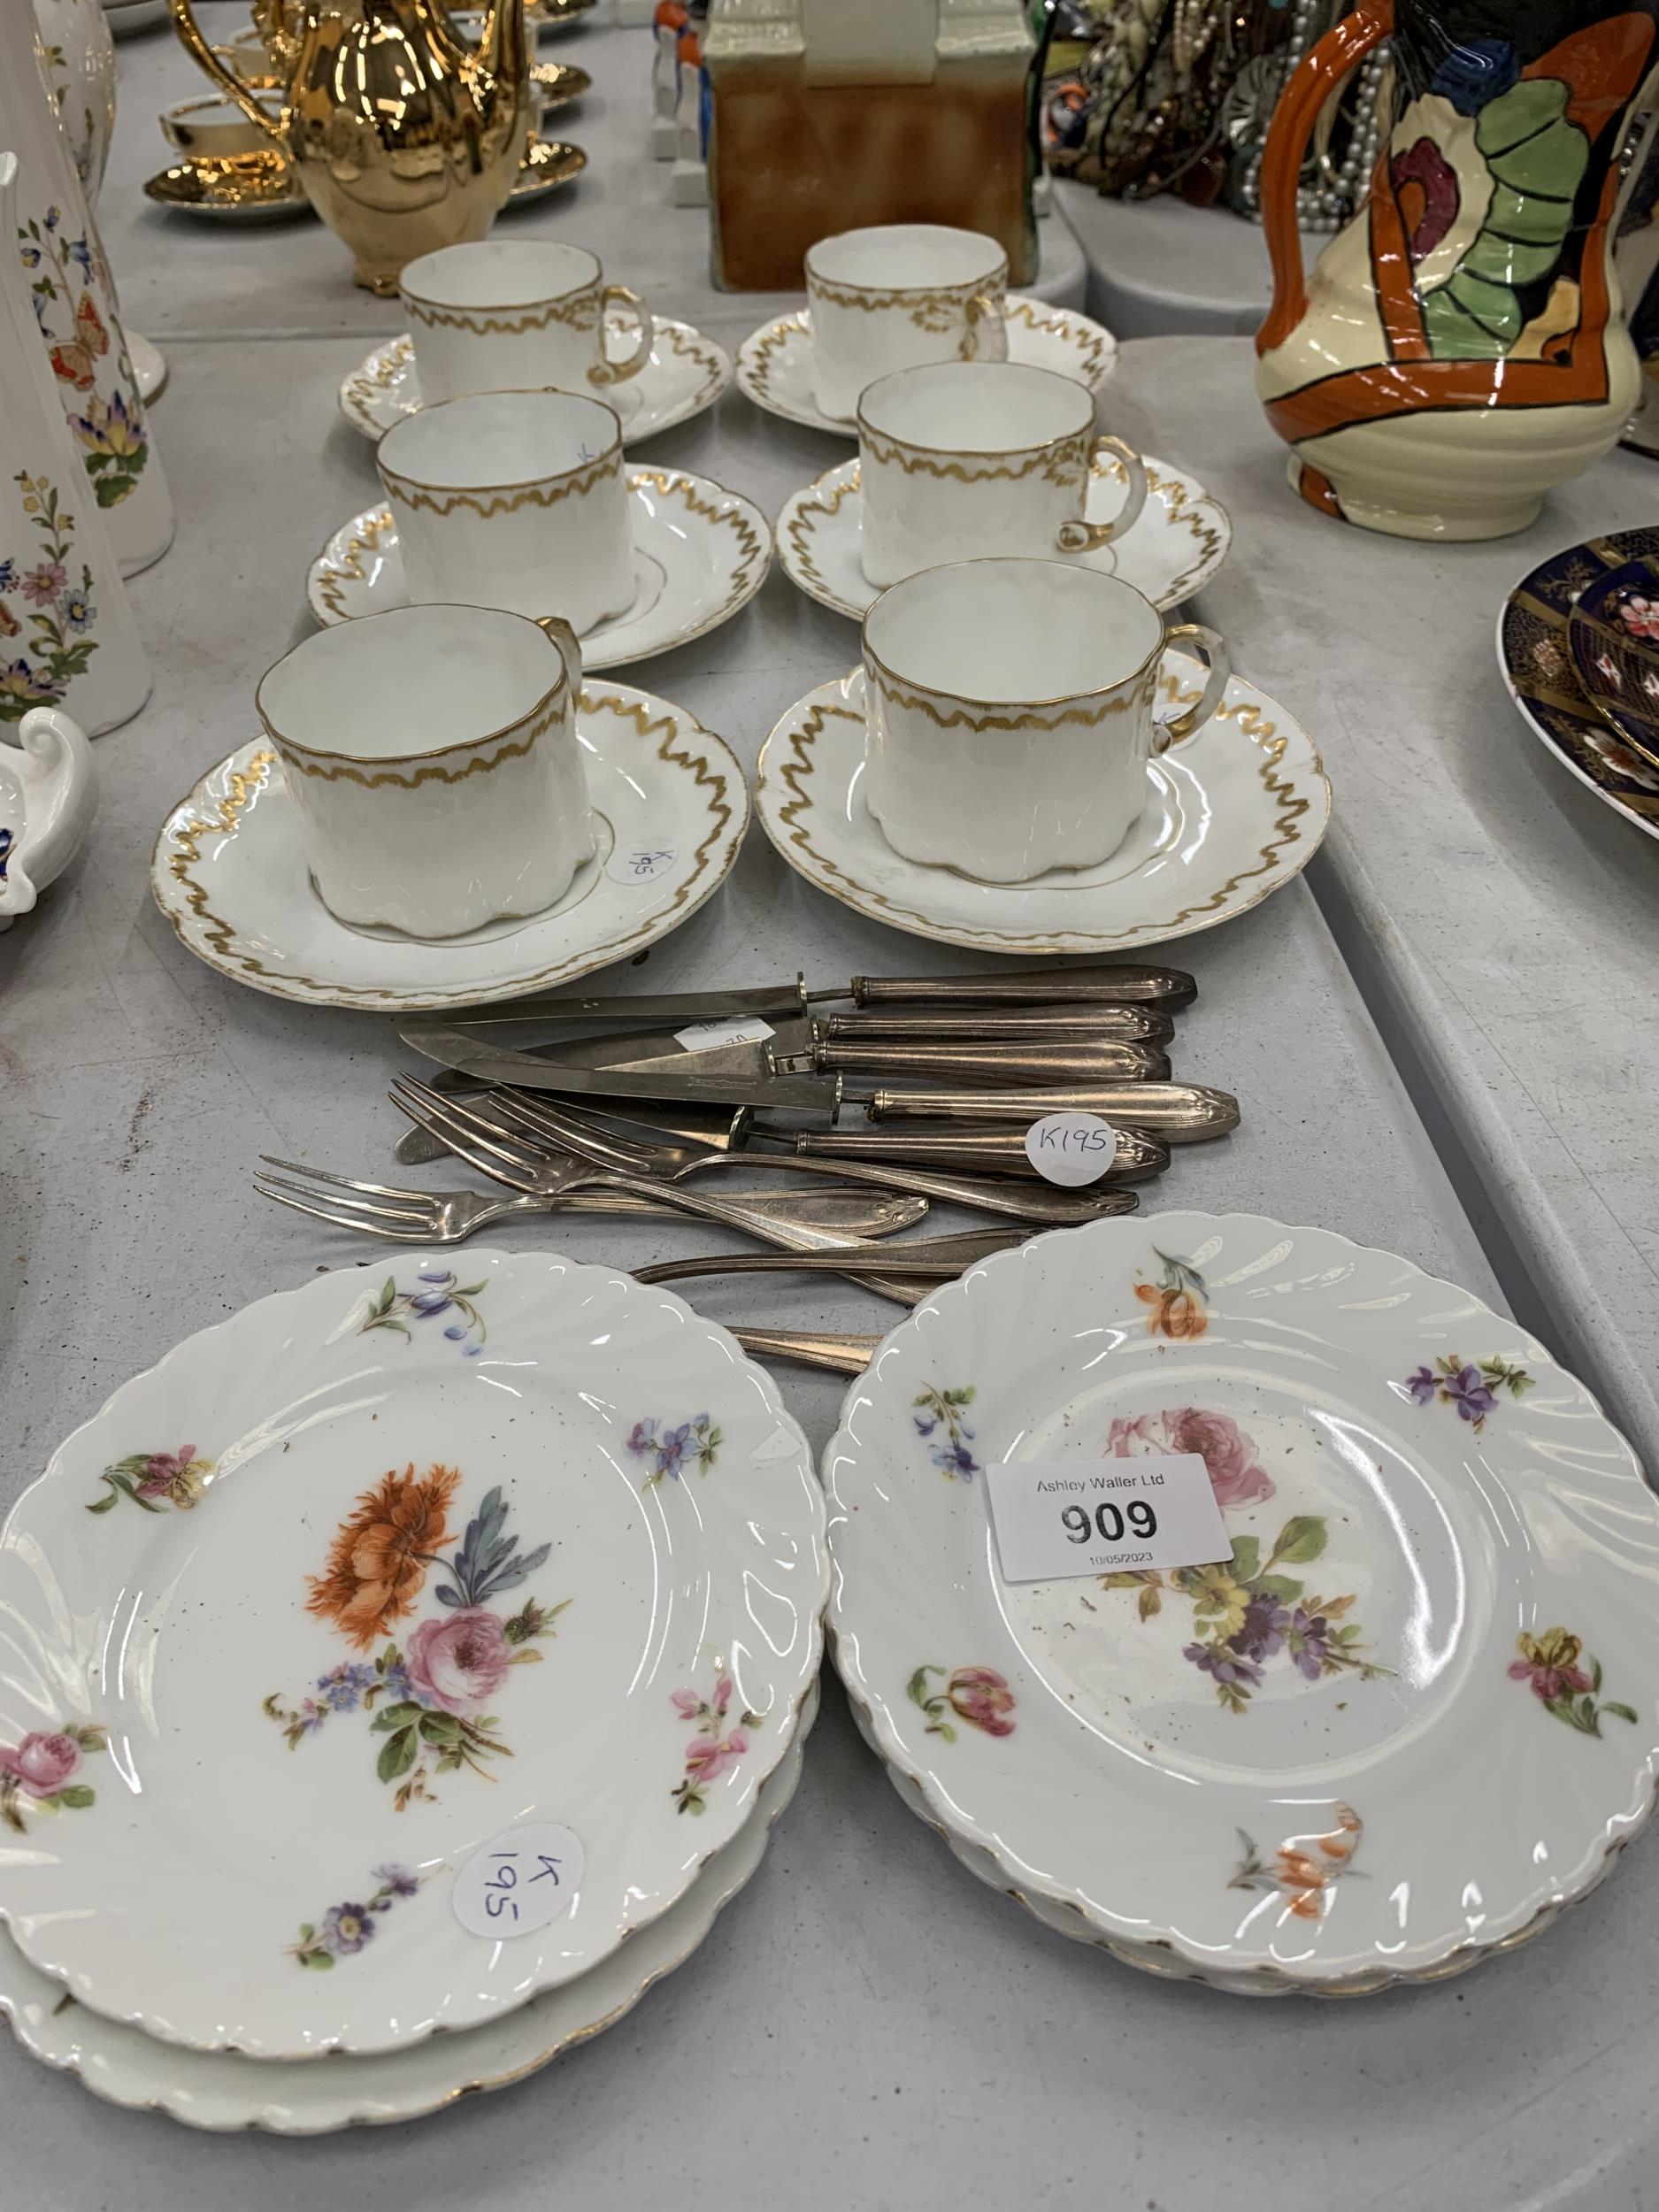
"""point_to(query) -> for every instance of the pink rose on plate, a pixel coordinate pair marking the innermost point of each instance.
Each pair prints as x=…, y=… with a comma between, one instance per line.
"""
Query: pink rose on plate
x=1226, y=1450
x=707, y=1756
x=41, y=1764
x=458, y=1662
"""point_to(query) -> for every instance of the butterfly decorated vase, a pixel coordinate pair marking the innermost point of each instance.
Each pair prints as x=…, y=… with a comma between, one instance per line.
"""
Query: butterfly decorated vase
x=1461, y=346
x=52, y=240
x=66, y=633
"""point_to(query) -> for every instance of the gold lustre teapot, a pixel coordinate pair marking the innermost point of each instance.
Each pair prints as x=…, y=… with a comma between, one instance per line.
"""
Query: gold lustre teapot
x=404, y=137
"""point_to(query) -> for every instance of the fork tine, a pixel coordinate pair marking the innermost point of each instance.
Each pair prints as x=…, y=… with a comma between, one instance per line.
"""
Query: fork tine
x=501, y=1169
x=537, y=1114
x=317, y=1213
x=550, y=1135
x=447, y=1113
x=343, y=1182
x=354, y=1208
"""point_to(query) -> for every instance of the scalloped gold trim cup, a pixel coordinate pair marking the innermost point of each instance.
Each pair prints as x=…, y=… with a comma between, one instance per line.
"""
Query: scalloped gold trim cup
x=515, y=500
x=431, y=755
x=1009, y=706
x=959, y=458
x=896, y=295
x=506, y=315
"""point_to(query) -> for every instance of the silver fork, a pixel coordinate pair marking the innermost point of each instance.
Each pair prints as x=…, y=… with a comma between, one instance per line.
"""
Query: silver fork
x=848, y=1213
x=525, y=1122
x=414, y=1217
x=528, y=1169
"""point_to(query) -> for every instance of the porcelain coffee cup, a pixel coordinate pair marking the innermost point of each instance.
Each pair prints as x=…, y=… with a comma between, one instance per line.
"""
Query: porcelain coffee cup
x=980, y=457
x=898, y=296
x=505, y=315
x=515, y=500
x=1009, y=706
x=432, y=755
x=214, y=129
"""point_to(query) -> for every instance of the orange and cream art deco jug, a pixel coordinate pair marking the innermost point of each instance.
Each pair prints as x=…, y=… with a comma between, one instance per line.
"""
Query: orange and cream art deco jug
x=1460, y=345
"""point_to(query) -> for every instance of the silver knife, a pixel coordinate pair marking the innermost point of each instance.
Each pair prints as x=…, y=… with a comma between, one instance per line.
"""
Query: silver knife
x=498, y=1063
x=1113, y=982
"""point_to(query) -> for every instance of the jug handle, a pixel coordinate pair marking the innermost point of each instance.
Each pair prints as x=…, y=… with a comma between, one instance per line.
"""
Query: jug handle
x=228, y=80
x=1300, y=106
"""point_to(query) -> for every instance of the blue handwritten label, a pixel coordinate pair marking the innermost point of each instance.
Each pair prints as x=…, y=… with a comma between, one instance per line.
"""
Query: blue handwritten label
x=1072, y=1149
x=524, y=1880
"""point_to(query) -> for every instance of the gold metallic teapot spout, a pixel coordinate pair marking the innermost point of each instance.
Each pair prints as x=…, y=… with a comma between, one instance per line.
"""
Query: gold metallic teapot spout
x=503, y=49
x=403, y=137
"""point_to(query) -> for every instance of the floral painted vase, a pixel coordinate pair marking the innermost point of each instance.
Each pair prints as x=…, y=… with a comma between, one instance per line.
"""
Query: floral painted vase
x=51, y=241
x=1461, y=346
x=66, y=633
x=80, y=73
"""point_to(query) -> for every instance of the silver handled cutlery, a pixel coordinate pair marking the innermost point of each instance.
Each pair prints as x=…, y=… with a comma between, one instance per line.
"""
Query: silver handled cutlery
x=533, y=1121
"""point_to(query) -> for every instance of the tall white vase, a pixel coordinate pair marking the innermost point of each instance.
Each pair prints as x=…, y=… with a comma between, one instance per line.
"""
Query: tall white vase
x=66, y=633
x=55, y=245
x=81, y=76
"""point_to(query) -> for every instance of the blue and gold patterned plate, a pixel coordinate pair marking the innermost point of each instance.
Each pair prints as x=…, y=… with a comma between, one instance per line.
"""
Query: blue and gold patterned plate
x=1613, y=633
x=1535, y=658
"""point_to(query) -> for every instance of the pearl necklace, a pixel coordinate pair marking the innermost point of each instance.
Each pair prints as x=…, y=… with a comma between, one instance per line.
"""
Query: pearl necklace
x=1325, y=203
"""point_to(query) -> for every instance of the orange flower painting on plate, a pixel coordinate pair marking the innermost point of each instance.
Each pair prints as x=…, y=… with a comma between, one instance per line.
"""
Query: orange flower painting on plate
x=378, y=1561
x=1306, y=1869
x=430, y=1693
x=1176, y=1299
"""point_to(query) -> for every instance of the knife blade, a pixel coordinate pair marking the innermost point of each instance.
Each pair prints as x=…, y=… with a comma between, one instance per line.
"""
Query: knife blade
x=664, y=1006
x=455, y=1048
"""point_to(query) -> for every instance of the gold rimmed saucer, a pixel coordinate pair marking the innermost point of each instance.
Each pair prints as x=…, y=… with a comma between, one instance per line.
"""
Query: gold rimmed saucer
x=259, y=187
x=560, y=83
x=254, y=188
x=547, y=163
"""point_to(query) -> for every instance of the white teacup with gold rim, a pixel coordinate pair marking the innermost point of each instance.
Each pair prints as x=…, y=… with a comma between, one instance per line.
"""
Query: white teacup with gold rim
x=895, y=296
x=961, y=457
x=432, y=756
x=1009, y=711
x=515, y=500
x=506, y=314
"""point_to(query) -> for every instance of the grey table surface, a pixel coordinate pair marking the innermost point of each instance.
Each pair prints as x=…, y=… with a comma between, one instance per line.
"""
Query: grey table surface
x=868, y=2025
x=1158, y=267
x=184, y=275
x=1500, y=917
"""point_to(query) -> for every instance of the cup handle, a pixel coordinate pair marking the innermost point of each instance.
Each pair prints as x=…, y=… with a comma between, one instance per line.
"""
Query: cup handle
x=985, y=337
x=1180, y=726
x=226, y=80
x=610, y=372
x=1086, y=537
x=571, y=651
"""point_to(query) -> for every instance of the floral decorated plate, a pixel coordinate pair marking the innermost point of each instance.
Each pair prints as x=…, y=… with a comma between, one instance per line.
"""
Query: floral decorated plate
x=393, y=1651
x=219, y=2090
x=774, y=364
x=1613, y=633
x=1415, y=1712
x=1179, y=543
x=686, y=373
x=670, y=810
x=1535, y=659
x=1232, y=816
x=700, y=554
